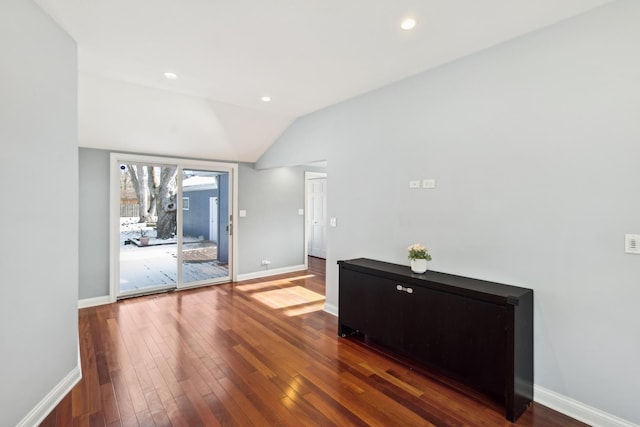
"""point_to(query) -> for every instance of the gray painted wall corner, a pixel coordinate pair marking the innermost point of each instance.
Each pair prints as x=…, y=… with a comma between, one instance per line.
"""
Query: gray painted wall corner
x=39, y=255
x=533, y=145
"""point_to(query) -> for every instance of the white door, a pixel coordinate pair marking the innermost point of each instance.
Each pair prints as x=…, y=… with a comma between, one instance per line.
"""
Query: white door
x=213, y=219
x=317, y=208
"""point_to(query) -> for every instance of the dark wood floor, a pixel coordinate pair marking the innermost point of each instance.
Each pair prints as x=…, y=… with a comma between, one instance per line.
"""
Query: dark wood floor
x=259, y=352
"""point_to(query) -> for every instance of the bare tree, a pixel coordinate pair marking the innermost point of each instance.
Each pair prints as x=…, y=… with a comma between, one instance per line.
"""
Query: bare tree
x=154, y=188
x=139, y=177
x=165, y=201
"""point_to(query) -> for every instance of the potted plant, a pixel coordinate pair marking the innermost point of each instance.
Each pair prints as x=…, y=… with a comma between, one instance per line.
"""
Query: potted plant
x=144, y=239
x=419, y=255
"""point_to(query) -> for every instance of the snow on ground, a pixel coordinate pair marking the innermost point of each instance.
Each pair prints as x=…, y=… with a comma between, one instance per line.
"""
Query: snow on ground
x=156, y=265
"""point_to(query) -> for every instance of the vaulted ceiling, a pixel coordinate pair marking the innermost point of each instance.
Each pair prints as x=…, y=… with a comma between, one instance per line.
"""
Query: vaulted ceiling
x=228, y=54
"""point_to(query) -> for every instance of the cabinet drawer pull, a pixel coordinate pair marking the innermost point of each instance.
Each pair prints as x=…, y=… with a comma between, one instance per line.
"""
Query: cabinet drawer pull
x=402, y=288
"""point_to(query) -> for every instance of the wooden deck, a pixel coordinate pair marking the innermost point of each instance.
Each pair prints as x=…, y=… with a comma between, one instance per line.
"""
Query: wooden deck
x=254, y=353
x=144, y=267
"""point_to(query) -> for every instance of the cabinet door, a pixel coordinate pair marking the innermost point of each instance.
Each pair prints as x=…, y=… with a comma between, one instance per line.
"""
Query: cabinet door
x=373, y=306
x=464, y=337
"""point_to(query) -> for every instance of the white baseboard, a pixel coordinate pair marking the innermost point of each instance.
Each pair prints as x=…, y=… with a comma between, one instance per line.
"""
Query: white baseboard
x=331, y=309
x=267, y=273
x=92, y=302
x=578, y=410
x=51, y=400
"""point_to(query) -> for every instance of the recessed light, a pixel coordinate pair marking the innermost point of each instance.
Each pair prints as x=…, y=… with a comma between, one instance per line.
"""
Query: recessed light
x=266, y=98
x=170, y=76
x=408, y=24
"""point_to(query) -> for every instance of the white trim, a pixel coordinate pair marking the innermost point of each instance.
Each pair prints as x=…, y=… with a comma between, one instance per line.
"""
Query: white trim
x=308, y=175
x=92, y=302
x=331, y=309
x=233, y=207
x=51, y=400
x=114, y=227
x=267, y=273
x=204, y=283
x=578, y=410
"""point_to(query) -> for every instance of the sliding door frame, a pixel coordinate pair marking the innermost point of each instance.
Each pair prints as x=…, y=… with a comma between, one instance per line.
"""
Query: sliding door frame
x=114, y=211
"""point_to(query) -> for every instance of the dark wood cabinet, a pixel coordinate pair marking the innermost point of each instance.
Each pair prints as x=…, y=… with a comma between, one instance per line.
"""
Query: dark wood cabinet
x=475, y=331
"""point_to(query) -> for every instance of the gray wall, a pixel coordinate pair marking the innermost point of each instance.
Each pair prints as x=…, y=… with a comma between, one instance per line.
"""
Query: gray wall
x=39, y=215
x=535, y=146
x=94, y=223
x=195, y=220
x=272, y=228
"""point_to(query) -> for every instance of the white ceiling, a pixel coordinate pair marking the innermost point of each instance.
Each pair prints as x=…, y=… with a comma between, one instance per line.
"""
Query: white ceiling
x=305, y=54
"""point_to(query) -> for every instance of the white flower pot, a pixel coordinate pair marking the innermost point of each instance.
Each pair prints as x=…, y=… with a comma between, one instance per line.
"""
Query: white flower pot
x=419, y=265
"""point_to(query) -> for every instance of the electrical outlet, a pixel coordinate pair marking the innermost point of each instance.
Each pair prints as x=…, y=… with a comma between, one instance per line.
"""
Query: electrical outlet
x=414, y=184
x=266, y=262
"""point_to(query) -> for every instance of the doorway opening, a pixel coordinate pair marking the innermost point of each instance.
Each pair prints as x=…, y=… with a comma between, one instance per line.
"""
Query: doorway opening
x=316, y=214
x=171, y=224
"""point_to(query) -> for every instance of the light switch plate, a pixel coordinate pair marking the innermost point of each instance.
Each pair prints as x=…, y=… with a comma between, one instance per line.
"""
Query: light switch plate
x=242, y=213
x=414, y=184
x=632, y=243
x=300, y=211
x=333, y=222
x=429, y=183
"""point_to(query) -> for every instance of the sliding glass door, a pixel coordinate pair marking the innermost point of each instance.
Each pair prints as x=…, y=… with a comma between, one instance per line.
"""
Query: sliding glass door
x=147, y=239
x=172, y=222
x=205, y=226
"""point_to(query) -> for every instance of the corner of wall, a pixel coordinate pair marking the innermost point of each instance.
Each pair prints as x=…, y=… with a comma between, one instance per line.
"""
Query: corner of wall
x=54, y=397
x=331, y=309
x=577, y=410
x=92, y=302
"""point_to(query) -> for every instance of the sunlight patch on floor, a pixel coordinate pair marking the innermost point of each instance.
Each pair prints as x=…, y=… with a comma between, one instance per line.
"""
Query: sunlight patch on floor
x=270, y=284
x=288, y=297
x=309, y=308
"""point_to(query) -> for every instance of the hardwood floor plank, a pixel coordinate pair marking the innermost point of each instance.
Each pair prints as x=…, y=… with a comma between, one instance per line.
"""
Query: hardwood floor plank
x=267, y=392
x=245, y=404
x=392, y=379
x=125, y=407
x=255, y=353
x=251, y=359
x=109, y=403
x=97, y=419
x=200, y=404
x=231, y=408
x=305, y=417
x=333, y=411
x=333, y=387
